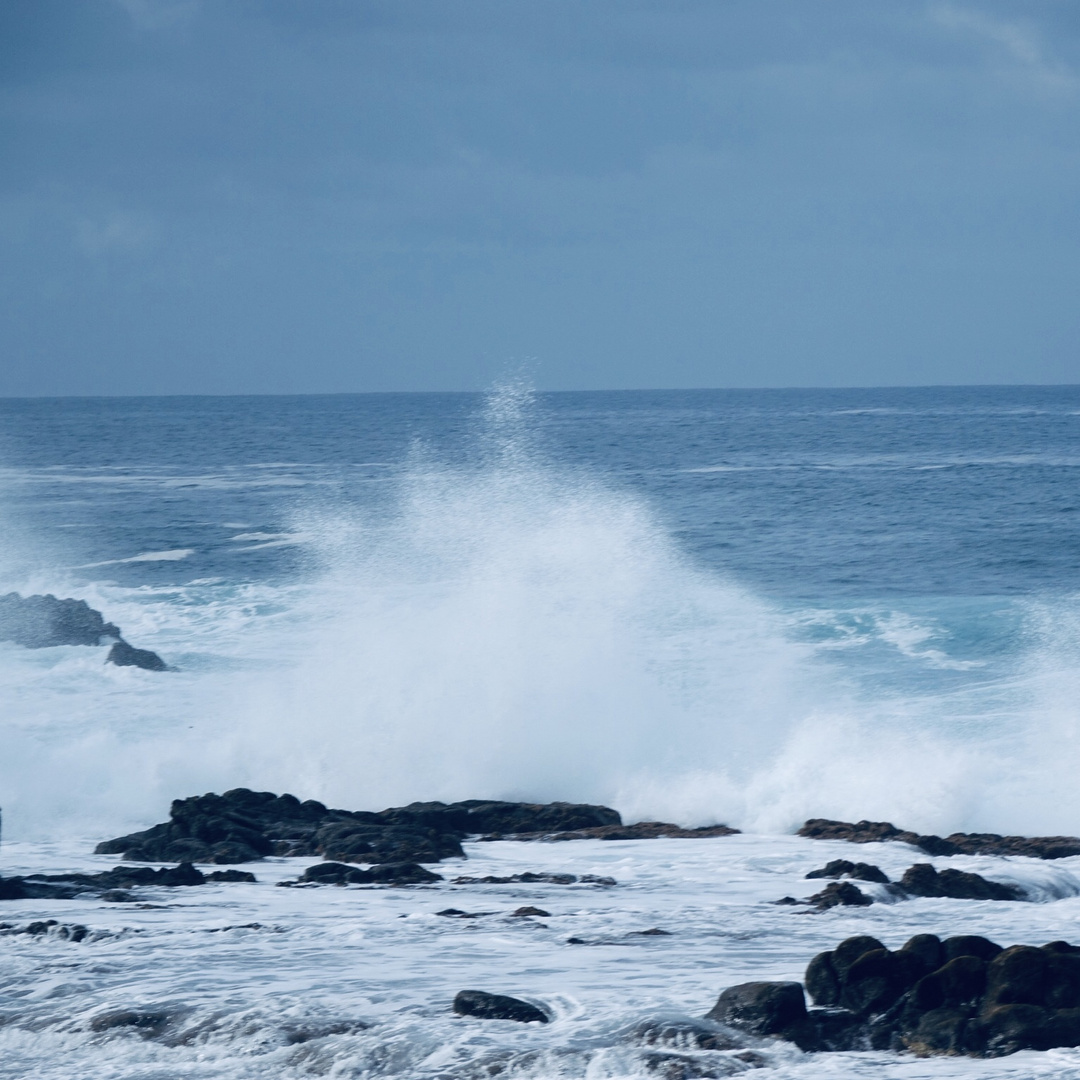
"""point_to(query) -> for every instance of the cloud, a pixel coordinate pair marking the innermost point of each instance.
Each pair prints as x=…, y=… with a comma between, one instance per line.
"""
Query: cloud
x=1020, y=42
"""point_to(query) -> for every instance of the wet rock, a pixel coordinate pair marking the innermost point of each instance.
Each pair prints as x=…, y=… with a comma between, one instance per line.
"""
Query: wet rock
x=401, y=873
x=105, y=884
x=970, y=945
x=965, y=995
x=868, y=832
x=529, y=878
x=924, y=880
x=642, y=830
x=654, y=931
x=822, y=981
x=760, y=1008
x=244, y=825
x=840, y=868
x=12, y=889
x=147, y=1023
x=41, y=622
x=683, y=1034
x=497, y=1007
x=231, y=875
x=528, y=912
x=124, y=655
x=840, y=893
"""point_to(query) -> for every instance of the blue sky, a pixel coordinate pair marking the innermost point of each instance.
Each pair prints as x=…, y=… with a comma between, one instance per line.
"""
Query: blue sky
x=290, y=196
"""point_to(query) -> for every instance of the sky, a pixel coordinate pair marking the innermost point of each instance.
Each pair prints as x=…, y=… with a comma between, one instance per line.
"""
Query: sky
x=322, y=196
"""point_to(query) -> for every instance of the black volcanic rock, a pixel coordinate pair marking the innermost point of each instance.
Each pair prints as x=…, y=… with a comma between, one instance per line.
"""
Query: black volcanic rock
x=243, y=825
x=760, y=1008
x=68, y=886
x=965, y=995
x=923, y=880
x=41, y=622
x=124, y=655
x=869, y=832
x=497, y=1007
x=840, y=868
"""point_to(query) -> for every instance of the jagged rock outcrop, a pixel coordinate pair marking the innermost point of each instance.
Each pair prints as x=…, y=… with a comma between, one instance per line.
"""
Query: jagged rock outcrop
x=243, y=825
x=964, y=995
x=42, y=622
x=919, y=880
x=869, y=832
x=68, y=886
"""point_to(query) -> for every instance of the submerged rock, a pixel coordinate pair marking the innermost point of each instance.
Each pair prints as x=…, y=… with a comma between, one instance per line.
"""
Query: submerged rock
x=869, y=832
x=497, y=1007
x=964, y=995
x=642, y=830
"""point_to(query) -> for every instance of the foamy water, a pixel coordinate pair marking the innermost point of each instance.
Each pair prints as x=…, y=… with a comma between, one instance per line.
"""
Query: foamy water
x=680, y=611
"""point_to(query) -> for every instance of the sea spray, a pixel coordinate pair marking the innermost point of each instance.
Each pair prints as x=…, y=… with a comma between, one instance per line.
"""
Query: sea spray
x=503, y=621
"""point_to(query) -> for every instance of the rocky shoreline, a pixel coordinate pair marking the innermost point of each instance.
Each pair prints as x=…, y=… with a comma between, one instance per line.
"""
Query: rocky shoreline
x=958, y=995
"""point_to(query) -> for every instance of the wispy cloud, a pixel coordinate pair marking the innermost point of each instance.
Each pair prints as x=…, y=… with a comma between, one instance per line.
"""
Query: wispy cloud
x=1019, y=42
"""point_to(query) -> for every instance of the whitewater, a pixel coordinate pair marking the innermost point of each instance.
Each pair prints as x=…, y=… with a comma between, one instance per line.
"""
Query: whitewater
x=696, y=607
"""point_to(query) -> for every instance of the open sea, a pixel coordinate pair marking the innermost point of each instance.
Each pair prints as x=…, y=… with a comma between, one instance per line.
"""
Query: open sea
x=749, y=607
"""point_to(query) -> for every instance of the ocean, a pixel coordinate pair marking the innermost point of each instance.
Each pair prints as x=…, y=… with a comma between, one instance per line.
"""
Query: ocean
x=749, y=607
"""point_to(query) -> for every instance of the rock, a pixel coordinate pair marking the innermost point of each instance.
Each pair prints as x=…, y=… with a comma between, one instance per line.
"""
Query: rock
x=399, y=873
x=124, y=655
x=970, y=945
x=869, y=832
x=923, y=880
x=105, y=884
x=822, y=982
x=231, y=875
x=41, y=622
x=827, y=1029
x=874, y=983
x=840, y=893
x=12, y=889
x=653, y=931
x=926, y=951
x=965, y=995
x=243, y=825
x=839, y=868
x=536, y=879
x=760, y=1008
x=528, y=912
x=148, y=1023
x=683, y=1035
x=497, y=1007
x=642, y=830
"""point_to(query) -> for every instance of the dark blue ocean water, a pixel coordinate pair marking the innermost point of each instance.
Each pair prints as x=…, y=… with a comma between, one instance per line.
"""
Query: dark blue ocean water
x=801, y=494
x=601, y=594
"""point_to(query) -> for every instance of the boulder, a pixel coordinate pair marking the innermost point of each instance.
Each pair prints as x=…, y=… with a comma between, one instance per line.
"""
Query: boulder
x=840, y=893
x=965, y=995
x=840, y=868
x=497, y=1007
x=124, y=655
x=924, y=880
x=760, y=1008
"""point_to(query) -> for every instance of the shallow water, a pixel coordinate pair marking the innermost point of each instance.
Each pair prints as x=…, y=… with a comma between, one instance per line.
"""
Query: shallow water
x=380, y=963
